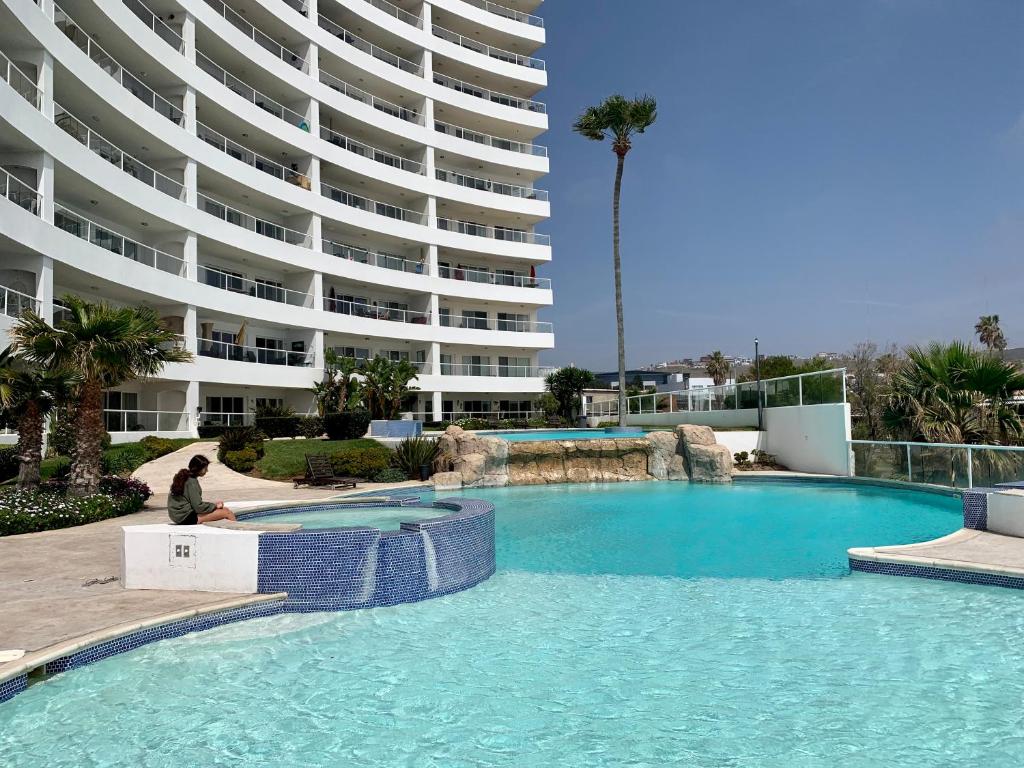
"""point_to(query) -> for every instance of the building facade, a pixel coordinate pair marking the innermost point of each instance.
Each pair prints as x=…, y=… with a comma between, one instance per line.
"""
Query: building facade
x=278, y=178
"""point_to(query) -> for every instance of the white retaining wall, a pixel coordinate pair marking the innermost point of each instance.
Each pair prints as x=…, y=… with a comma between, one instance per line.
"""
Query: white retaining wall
x=743, y=417
x=194, y=557
x=810, y=438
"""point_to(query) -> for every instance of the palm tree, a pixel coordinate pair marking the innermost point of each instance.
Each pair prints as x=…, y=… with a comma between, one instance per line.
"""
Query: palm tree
x=105, y=346
x=618, y=118
x=567, y=385
x=28, y=393
x=953, y=394
x=386, y=385
x=717, y=367
x=989, y=333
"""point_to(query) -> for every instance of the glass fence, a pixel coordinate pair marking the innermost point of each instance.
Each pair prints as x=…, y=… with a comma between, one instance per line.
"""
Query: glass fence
x=13, y=303
x=145, y=421
x=948, y=464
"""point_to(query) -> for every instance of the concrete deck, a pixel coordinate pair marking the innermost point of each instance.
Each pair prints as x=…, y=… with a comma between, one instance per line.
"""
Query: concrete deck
x=59, y=586
x=964, y=550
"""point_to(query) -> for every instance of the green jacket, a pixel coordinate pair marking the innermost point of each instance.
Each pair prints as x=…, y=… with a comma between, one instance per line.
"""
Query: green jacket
x=179, y=508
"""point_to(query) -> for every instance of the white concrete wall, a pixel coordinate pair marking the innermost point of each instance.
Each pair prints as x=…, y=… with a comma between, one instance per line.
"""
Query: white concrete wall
x=745, y=417
x=218, y=560
x=747, y=440
x=1006, y=513
x=810, y=438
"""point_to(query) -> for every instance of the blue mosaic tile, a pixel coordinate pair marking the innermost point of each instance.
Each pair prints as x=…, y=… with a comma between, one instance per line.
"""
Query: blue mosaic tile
x=941, y=574
x=975, y=503
x=11, y=688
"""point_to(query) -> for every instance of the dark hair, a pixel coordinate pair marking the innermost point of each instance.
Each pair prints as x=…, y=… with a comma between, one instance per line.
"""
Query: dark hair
x=196, y=465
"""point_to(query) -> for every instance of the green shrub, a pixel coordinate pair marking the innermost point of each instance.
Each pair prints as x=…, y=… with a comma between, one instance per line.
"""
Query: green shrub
x=347, y=425
x=243, y=460
x=62, y=436
x=124, y=459
x=158, y=446
x=9, y=462
x=211, y=430
x=472, y=423
x=361, y=461
x=49, y=508
x=390, y=475
x=414, y=452
x=277, y=420
x=239, y=439
x=311, y=427
x=536, y=422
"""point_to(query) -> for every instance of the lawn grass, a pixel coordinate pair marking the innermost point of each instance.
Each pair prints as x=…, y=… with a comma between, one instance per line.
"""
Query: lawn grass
x=128, y=455
x=285, y=459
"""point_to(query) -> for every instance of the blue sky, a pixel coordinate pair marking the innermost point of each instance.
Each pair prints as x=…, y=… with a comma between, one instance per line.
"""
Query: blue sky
x=821, y=173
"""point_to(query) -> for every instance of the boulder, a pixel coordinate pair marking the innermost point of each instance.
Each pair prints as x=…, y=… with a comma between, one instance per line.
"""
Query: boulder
x=665, y=460
x=706, y=461
x=693, y=434
x=446, y=481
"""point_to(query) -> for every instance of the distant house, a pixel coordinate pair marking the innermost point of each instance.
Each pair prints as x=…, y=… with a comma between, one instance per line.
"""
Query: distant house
x=669, y=379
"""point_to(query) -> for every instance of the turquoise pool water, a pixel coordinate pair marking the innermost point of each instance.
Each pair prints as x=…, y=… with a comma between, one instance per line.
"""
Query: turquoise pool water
x=561, y=434
x=385, y=518
x=651, y=624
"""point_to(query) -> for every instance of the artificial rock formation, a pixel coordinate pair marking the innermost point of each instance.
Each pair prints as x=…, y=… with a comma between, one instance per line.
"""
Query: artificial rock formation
x=479, y=462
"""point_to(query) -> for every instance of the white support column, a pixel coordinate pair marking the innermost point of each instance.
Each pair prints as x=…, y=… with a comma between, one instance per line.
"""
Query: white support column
x=192, y=406
x=313, y=61
x=46, y=187
x=190, y=254
x=318, y=348
x=435, y=358
x=190, y=329
x=188, y=36
x=44, y=288
x=437, y=401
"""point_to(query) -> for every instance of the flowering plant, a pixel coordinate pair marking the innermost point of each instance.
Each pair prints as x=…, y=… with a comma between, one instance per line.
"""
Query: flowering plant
x=49, y=507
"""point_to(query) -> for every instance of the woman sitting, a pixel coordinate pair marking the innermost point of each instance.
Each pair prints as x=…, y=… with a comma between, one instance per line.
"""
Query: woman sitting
x=185, y=505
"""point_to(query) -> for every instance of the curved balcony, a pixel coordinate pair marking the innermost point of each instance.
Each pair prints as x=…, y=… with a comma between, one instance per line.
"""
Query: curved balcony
x=484, y=324
x=15, y=303
x=22, y=84
x=249, y=157
x=249, y=354
x=19, y=193
x=367, y=47
x=487, y=185
x=487, y=50
x=399, y=13
x=252, y=223
x=493, y=278
x=365, y=150
x=508, y=13
x=383, y=105
x=376, y=312
x=522, y=147
x=155, y=23
x=258, y=290
x=257, y=36
x=503, y=99
x=494, y=233
x=249, y=93
x=505, y=371
x=387, y=210
x=374, y=258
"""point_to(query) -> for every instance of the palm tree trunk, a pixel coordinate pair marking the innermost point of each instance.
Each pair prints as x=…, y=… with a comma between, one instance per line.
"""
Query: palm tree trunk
x=86, y=463
x=619, y=325
x=30, y=445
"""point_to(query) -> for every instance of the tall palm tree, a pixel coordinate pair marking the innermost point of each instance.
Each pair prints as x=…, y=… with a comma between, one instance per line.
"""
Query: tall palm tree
x=28, y=393
x=717, y=367
x=618, y=118
x=105, y=346
x=385, y=385
x=989, y=333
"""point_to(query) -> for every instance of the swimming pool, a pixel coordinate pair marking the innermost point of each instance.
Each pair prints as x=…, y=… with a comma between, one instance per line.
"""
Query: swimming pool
x=339, y=516
x=561, y=434
x=636, y=624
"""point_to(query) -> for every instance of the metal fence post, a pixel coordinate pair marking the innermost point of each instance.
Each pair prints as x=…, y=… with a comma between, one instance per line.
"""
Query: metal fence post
x=910, y=471
x=800, y=388
x=970, y=467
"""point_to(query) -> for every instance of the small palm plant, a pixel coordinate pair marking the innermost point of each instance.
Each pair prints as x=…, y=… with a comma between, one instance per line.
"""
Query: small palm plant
x=28, y=393
x=104, y=346
x=618, y=118
x=989, y=333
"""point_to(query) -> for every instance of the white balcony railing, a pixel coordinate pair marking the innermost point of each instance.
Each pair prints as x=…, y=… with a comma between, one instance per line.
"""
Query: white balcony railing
x=116, y=243
x=244, y=220
x=18, y=192
x=13, y=303
x=493, y=278
x=517, y=102
x=365, y=150
x=494, y=233
x=508, y=13
x=487, y=185
x=398, y=13
x=249, y=354
x=376, y=311
x=145, y=421
x=387, y=107
x=524, y=148
x=108, y=64
x=23, y=85
x=268, y=291
x=247, y=92
x=249, y=157
x=117, y=157
x=487, y=50
x=257, y=36
x=494, y=417
x=375, y=258
x=471, y=369
x=154, y=22
x=225, y=419
x=495, y=324
x=372, y=206
x=367, y=47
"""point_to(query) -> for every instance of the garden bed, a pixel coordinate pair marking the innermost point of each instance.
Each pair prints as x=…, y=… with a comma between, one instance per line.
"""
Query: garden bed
x=50, y=507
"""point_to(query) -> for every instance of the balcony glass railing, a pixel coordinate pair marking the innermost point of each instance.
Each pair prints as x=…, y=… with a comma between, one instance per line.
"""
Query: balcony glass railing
x=471, y=369
x=269, y=291
x=253, y=224
x=493, y=278
x=224, y=419
x=487, y=50
x=260, y=38
x=116, y=243
x=376, y=311
x=249, y=93
x=247, y=156
x=117, y=157
x=19, y=193
x=14, y=303
x=508, y=13
x=154, y=22
x=367, y=47
x=398, y=13
x=495, y=324
x=372, y=206
x=486, y=185
x=524, y=148
x=145, y=421
x=108, y=64
x=494, y=233
x=248, y=354
x=21, y=83
x=504, y=99
x=390, y=108
x=365, y=150
x=375, y=258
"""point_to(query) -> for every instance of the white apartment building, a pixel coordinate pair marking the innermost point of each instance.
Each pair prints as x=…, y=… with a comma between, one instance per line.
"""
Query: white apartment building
x=278, y=178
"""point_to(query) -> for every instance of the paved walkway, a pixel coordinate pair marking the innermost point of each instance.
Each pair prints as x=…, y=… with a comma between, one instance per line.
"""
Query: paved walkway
x=966, y=550
x=60, y=585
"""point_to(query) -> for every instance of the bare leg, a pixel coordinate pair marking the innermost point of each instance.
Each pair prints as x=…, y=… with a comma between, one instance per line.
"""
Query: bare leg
x=218, y=514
